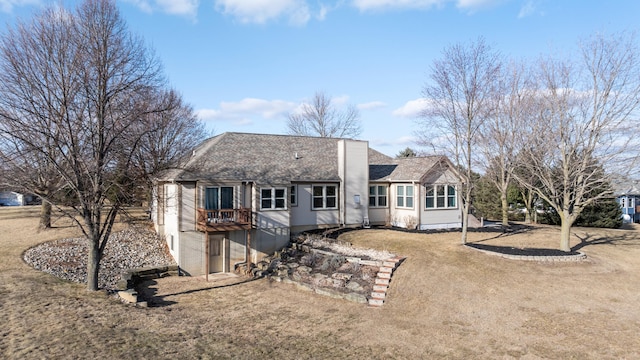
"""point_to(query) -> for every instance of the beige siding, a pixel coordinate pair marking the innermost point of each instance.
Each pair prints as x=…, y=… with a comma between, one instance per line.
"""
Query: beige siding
x=192, y=253
x=188, y=207
x=353, y=167
x=302, y=216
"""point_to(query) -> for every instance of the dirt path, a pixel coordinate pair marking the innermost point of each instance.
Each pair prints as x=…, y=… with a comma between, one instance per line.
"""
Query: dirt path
x=445, y=301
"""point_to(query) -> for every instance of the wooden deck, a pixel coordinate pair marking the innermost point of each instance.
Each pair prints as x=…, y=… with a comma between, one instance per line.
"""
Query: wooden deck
x=222, y=220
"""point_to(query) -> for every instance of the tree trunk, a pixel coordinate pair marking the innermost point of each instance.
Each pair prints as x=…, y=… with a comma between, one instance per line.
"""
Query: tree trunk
x=565, y=233
x=45, y=215
x=465, y=223
x=93, y=265
x=505, y=209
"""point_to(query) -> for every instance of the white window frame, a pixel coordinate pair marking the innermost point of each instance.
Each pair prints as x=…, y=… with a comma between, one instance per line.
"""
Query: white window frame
x=376, y=196
x=293, y=195
x=434, y=196
x=405, y=196
x=325, y=197
x=273, y=198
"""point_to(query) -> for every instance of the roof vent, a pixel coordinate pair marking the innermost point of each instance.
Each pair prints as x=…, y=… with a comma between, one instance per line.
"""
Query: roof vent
x=296, y=156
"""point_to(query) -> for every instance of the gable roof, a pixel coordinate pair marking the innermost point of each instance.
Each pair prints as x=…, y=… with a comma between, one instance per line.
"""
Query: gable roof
x=405, y=169
x=260, y=157
x=281, y=159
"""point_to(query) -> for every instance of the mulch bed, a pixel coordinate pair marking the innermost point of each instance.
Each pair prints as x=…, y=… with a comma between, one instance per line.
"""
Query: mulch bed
x=508, y=250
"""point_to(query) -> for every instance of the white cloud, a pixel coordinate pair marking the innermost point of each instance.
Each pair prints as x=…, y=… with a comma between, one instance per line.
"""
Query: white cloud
x=476, y=4
x=468, y=5
x=528, y=8
x=262, y=11
x=365, y=5
x=179, y=7
x=241, y=112
x=188, y=8
x=402, y=141
x=411, y=109
x=373, y=105
x=8, y=5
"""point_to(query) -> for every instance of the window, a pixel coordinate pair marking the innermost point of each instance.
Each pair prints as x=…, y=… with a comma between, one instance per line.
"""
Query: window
x=324, y=197
x=441, y=197
x=293, y=195
x=216, y=198
x=273, y=198
x=377, y=196
x=404, y=196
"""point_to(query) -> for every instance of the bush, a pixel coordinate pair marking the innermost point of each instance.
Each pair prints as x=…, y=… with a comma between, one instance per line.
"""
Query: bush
x=603, y=214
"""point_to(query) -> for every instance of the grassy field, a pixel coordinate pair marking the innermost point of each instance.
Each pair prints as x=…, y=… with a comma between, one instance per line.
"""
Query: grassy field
x=445, y=301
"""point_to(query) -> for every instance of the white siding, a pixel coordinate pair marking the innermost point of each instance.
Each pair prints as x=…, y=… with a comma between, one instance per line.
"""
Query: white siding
x=188, y=207
x=171, y=218
x=303, y=216
x=440, y=218
x=401, y=216
x=353, y=167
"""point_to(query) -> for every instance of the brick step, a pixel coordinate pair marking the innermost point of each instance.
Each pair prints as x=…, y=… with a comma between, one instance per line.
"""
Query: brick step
x=390, y=264
x=376, y=302
x=380, y=287
x=386, y=270
x=379, y=281
x=382, y=275
x=378, y=294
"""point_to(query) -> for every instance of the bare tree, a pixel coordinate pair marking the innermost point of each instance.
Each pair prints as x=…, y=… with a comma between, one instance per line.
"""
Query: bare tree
x=169, y=135
x=322, y=118
x=461, y=97
x=584, y=123
x=79, y=82
x=500, y=131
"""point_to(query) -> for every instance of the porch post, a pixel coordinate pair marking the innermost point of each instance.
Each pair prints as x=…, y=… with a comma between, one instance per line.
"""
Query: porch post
x=248, y=250
x=206, y=251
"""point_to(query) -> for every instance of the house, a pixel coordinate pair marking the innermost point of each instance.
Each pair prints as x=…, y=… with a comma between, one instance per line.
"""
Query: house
x=241, y=195
x=14, y=198
x=628, y=197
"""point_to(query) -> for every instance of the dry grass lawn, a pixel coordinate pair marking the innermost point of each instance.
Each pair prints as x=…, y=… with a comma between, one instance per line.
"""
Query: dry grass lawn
x=445, y=301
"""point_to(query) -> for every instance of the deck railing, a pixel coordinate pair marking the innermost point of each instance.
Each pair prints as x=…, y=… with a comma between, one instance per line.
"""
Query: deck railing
x=223, y=218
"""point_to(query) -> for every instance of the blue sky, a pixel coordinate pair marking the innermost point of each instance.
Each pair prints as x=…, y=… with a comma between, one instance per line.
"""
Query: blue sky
x=244, y=64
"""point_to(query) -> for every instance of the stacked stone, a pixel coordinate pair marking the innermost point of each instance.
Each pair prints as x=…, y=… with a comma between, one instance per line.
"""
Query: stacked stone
x=381, y=283
x=136, y=247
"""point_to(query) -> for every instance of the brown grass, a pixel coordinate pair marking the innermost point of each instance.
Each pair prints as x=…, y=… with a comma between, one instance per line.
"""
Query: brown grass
x=445, y=301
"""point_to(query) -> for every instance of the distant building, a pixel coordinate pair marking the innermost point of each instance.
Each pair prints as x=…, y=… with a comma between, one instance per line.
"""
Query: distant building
x=13, y=198
x=628, y=197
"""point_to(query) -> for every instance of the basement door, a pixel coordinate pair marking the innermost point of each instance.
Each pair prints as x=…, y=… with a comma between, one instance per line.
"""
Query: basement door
x=216, y=253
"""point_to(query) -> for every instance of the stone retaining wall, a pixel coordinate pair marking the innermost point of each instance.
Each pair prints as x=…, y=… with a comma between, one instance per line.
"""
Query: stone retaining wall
x=126, y=287
x=345, y=287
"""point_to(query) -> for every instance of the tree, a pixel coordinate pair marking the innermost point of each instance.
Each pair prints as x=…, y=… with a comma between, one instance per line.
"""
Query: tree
x=461, y=97
x=485, y=199
x=322, y=118
x=584, y=122
x=408, y=152
x=81, y=83
x=170, y=135
x=498, y=143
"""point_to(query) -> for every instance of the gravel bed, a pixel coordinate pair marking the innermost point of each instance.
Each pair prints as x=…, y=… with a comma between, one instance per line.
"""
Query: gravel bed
x=135, y=247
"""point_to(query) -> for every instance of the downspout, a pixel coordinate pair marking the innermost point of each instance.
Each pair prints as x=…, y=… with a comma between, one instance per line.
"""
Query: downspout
x=419, y=205
x=343, y=185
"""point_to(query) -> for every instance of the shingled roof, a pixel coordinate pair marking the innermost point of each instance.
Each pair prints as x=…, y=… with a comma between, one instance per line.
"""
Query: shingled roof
x=260, y=157
x=280, y=159
x=403, y=169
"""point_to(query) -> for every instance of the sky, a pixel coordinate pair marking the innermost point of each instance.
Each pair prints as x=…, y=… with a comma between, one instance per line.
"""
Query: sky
x=245, y=64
